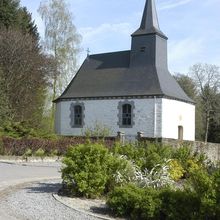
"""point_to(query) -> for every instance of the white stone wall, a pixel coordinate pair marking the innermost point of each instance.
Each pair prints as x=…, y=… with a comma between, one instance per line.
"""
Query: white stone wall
x=176, y=113
x=58, y=118
x=105, y=112
x=155, y=117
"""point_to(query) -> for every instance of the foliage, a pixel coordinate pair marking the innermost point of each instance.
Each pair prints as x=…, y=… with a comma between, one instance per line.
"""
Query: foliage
x=1, y=146
x=40, y=153
x=13, y=16
x=176, y=171
x=156, y=154
x=134, y=202
x=23, y=78
x=145, y=155
x=178, y=204
x=202, y=184
x=120, y=172
x=98, y=130
x=132, y=152
x=86, y=168
x=199, y=199
x=187, y=84
x=5, y=111
x=28, y=152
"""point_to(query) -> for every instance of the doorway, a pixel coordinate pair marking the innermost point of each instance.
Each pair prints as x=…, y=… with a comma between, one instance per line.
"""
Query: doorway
x=180, y=133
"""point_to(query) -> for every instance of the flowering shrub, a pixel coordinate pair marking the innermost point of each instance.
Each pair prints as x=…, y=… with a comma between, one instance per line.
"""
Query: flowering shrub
x=176, y=171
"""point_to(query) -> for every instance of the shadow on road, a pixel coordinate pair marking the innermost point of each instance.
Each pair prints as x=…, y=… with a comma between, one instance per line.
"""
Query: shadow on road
x=44, y=188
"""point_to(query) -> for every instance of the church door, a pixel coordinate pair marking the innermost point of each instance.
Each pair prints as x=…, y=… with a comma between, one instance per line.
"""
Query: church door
x=180, y=133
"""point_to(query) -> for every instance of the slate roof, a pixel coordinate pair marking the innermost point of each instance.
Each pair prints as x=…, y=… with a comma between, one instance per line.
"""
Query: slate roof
x=114, y=75
x=109, y=75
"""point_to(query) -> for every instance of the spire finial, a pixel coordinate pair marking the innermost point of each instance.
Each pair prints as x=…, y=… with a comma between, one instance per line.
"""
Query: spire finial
x=149, y=22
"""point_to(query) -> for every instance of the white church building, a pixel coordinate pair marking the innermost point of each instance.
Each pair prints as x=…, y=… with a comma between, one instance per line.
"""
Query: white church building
x=128, y=91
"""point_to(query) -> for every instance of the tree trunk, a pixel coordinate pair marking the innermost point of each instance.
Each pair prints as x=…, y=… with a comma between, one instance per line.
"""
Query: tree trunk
x=207, y=125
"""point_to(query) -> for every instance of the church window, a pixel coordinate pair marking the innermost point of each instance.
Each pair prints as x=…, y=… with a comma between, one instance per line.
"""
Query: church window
x=126, y=114
x=77, y=115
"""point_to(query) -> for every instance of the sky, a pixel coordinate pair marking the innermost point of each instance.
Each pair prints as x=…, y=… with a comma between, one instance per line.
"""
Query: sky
x=192, y=26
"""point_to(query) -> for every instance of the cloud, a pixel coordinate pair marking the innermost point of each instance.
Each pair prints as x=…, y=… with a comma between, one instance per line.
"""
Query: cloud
x=184, y=53
x=91, y=32
x=173, y=4
x=108, y=36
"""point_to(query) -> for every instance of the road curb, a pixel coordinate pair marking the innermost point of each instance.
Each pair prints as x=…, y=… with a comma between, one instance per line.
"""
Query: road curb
x=20, y=159
x=57, y=198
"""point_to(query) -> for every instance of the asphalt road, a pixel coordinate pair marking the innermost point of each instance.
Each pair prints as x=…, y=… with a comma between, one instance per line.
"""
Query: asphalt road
x=13, y=174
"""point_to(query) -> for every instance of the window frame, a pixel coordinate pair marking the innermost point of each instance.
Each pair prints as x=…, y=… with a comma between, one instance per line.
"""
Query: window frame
x=73, y=118
x=130, y=114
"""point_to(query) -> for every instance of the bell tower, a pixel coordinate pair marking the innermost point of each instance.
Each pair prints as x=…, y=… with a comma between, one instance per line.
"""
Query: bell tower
x=149, y=43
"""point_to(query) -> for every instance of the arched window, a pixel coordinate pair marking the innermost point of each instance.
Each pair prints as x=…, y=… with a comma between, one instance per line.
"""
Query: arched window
x=126, y=114
x=77, y=115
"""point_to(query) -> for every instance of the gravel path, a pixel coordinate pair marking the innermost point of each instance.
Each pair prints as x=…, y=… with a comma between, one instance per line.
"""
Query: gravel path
x=35, y=202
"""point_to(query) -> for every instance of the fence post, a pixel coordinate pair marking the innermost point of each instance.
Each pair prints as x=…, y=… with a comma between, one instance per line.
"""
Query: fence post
x=140, y=135
x=121, y=137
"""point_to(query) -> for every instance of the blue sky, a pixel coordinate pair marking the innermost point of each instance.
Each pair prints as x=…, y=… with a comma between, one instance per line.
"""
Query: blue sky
x=192, y=26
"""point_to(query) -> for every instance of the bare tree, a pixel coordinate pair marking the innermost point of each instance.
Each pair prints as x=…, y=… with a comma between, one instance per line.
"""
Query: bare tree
x=207, y=78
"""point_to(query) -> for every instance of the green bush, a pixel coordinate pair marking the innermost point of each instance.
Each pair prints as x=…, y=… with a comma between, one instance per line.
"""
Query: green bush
x=178, y=204
x=176, y=171
x=40, y=153
x=1, y=146
x=28, y=152
x=216, y=180
x=145, y=155
x=86, y=170
x=156, y=154
x=120, y=171
x=203, y=185
x=132, y=152
x=134, y=202
x=182, y=154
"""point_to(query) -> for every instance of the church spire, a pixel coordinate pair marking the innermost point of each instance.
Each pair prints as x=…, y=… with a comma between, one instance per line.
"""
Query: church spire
x=149, y=23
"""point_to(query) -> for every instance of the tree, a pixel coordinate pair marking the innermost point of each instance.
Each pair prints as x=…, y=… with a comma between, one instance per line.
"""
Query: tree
x=23, y=78
x=187, y=84
x=8, y=12
x=207, y=78
x=16, y=17
x=61, y=41
x=4, y=103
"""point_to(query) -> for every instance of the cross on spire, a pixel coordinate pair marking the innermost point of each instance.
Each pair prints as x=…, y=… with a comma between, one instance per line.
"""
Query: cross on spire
x=88, y=52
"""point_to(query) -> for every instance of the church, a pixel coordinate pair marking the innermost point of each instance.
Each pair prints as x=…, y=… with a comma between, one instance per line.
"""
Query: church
x=128, y=91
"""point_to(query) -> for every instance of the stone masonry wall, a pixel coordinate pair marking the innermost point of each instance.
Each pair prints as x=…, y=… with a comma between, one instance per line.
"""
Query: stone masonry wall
x=211, y=150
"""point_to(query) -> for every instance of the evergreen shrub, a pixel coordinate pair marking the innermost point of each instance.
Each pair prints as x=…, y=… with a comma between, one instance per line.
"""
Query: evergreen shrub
x=89, y=170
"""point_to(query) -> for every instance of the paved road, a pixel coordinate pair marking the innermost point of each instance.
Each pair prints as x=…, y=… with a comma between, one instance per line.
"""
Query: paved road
x=33, y=201
x=13, y=174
